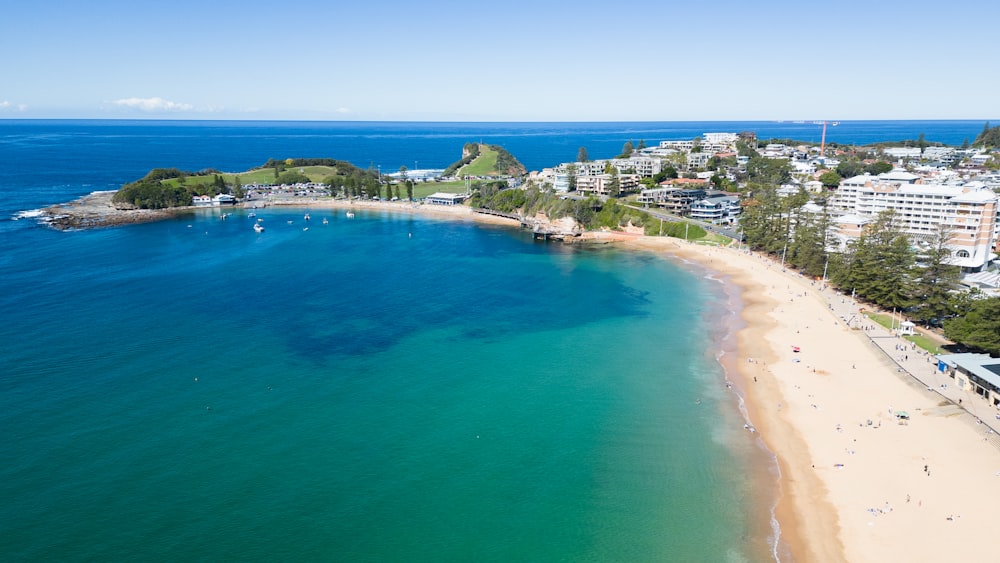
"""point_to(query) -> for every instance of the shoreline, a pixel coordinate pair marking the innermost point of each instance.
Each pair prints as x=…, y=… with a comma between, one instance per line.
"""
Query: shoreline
x=95, y=210
x=846, y=490
x=850, y=489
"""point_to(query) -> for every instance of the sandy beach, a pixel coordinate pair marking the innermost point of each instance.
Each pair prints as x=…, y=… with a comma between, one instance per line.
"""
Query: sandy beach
x=857, y=483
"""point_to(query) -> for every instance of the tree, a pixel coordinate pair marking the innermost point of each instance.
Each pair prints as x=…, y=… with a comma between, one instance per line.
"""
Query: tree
x=807, y=251
x=614, y=185
x=921, y=143
x=878, y=264
x=581, y=155
x=627, y=150
x=402, y=172
x=936, y=280
x=850, y=168
x=830, y=180
x=571, y=177
x=642, y=144
x=409, y=190
x=880, y=167
x=769, y=170
x=238, y=191
x=290, y=177
x=979, y=328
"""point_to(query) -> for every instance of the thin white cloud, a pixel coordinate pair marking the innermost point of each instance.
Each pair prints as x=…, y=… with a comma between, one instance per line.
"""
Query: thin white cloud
x=152, y=104
x=344, y=110
x=6, y=105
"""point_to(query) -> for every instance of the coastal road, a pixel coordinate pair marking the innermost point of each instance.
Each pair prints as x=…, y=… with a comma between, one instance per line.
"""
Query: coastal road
x=671, y=218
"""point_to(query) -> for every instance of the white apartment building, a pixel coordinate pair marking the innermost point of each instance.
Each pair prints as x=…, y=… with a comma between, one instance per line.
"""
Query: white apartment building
x=599, y=184
x=717, y=209
x=642, y=165
x=968, y=210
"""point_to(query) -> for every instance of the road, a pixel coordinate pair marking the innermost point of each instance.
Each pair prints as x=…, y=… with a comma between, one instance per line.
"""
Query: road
x=712, y=228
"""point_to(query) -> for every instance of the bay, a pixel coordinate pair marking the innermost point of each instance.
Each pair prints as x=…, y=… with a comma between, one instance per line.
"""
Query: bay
x=388, y=388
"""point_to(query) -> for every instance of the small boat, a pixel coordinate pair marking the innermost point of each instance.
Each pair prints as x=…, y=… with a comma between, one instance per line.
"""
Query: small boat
x=260, y=219
x=289, y=221
x=305, y=229
x=251, y=214
x=306, y=217
x=350, y=215
x=258, y=227
x=326, y=221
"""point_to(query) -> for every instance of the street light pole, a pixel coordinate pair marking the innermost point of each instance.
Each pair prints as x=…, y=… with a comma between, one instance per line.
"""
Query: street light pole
x=822, y=286
x=783, y=250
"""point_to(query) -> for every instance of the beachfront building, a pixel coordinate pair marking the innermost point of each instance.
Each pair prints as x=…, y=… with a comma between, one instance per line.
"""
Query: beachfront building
x=719, y=206
x=968, y=211
x=977, y=373
x=440, y=198
x=717, y=209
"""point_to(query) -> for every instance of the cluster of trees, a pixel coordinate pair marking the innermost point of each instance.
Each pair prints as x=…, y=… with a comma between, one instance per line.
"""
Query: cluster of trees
x=507, y=163
x=851, y=167
x=150, y=191
x=882, y=266
x=592, y=213
x=989, y=137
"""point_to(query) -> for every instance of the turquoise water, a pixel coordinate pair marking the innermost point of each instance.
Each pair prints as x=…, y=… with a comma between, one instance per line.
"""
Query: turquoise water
x=387, y=388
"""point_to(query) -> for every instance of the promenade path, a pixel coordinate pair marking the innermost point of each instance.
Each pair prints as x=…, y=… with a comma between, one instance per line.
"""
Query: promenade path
x=911, y=363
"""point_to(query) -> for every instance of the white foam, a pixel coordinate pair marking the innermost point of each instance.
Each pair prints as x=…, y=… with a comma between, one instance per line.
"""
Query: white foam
x=30, y=214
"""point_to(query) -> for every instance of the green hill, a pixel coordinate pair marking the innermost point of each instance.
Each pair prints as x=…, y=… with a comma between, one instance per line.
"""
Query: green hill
x=480, y=159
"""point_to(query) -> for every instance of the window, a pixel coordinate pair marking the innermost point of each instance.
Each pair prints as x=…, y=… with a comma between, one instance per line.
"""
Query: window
x=962, y=254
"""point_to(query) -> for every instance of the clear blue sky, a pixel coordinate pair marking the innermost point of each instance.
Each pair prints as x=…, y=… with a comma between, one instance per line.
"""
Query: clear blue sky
x=515, y=60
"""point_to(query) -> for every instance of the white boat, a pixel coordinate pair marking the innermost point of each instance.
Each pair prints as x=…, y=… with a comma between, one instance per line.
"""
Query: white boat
x=258, y=227
x=306, y=217
x=251, y=214
x=350, y=215
x=326, y=221
x=306, y=229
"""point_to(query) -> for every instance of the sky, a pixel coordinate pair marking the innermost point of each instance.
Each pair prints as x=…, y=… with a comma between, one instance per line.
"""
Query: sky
x=516, y=60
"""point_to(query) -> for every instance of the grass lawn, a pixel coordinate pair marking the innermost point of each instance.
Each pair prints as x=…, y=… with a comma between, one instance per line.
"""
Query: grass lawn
x=925, y=343
x=484, y=165
x=424, y=189
x=920, y=340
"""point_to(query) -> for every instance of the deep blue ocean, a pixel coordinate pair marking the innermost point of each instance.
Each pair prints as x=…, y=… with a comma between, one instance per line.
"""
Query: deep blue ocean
x=383, y=388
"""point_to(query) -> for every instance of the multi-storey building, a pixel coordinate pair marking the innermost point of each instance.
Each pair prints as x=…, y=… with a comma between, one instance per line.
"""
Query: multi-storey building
x=968, y=211
x=599, y=184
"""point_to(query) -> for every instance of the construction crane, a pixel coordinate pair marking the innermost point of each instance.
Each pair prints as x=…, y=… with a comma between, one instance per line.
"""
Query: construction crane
x=822, y=142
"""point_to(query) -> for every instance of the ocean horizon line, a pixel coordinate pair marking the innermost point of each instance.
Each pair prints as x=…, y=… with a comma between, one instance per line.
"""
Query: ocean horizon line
x=482, y=122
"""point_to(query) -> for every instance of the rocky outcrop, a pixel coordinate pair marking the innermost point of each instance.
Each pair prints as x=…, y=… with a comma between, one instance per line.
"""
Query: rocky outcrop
x=97, y=210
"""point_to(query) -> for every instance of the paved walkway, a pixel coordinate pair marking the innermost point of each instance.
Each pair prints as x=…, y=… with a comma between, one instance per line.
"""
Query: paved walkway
x=918, y=366
x=911, y=362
